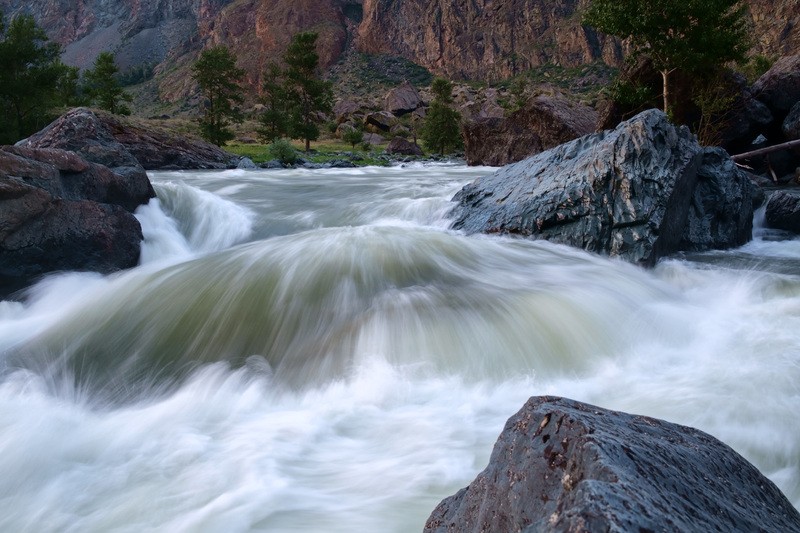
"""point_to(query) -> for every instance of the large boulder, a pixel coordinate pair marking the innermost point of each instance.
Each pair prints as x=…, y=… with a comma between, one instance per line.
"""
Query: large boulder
x=783, y=211
x=128, y=146
x=544, y=122
x=779, y=87
x=624, y=193
x=561, y=465
x=791, y=124
x=402, y=99
x=60, y=212
x=400, y=146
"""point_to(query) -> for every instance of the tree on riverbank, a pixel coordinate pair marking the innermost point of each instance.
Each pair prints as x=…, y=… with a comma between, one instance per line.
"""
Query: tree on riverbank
x=33, y=80
x=688, y=35
x=218, y=77
x=102, y=86
x=441, y=130
x=306, y=94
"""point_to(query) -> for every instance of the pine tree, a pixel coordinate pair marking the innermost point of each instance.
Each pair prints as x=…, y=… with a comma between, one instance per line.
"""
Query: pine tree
x=30, y=73
x=103, y=89
x=441, y=130
x=273, y=120
x=306, y=93
x=218, y=77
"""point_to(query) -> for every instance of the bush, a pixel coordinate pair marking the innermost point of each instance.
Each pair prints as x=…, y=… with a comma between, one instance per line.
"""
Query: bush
x=283, y=151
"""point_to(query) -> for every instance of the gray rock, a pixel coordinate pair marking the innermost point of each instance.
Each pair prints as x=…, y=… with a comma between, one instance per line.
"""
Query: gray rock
x=561, y=465
x=624, y=192
x=783, y=211
x=715, y=220
x=402, y=99
x=779, y=87
x=791, y=124
x=246, y=163
x=380, y=121
x=272, y=164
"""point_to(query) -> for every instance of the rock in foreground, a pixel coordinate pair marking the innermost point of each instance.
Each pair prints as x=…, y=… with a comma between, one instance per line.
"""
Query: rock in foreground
x=561, y=465
x=625, y=193
x=60, y=212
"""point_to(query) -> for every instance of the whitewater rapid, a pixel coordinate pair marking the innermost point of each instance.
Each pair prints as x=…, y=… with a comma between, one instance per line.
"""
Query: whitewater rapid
x=314, y=351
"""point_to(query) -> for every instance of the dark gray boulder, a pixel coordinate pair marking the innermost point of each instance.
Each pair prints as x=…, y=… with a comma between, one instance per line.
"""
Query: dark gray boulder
x=791, y=124
x=61, y=212
x=561, y=465
x=715, y=219
x=625, y=193
x=783, y=211
x=779, y=87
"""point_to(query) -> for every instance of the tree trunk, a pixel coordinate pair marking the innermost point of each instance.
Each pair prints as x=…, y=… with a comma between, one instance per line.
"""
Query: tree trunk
x=665, y=78
x=308, y=145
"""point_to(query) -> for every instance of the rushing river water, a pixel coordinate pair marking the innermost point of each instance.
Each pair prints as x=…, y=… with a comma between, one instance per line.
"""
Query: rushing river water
x=314, y=351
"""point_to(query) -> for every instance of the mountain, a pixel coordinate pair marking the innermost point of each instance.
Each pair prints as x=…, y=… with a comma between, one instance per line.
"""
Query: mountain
x=482, y=40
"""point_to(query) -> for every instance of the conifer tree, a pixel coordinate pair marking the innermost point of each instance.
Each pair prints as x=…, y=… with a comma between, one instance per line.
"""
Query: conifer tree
x=307, y=94
x=274, y=119
x=441, y=130
x=218, y=77
x=103, y=88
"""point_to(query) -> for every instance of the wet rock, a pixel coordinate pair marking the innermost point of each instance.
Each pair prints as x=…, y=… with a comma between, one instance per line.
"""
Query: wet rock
x=714, y=220
x=60, y=212
x=562, y=465
x=246, y=163
x=543, y=123
x=783, y=211
x=400, y=146
x=624, y=193
x=401, y=100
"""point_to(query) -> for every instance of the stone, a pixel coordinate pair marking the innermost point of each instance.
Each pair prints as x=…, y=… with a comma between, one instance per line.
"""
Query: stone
x=561, y=465
x=624, y=193
x=126, y=145
x=783, y=211
x=402, y=100
x=380, y=121
x=400, y=146
x=345, y=110
x=791, y=124
x=246, y=163
x=374, y=139
x=61, y=212
x=544, y=122
x=779, y=87
x=714, y=220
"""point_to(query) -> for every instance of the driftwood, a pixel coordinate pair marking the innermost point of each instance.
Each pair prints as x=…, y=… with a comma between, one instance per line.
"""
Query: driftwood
x=767, y=150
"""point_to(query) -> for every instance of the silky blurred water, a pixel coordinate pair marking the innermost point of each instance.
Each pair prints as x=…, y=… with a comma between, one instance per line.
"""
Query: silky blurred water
x=313, y=350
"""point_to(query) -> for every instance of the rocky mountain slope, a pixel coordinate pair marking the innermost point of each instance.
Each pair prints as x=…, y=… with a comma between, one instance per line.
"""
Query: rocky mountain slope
x=467, y=39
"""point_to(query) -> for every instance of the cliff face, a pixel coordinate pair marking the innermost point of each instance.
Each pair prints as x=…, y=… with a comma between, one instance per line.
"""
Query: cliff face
x=483, y=39
x=468, y=39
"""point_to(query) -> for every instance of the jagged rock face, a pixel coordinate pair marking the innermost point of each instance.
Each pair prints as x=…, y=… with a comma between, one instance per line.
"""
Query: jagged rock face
x=776, y=27
x=561, y=465
x=623, y=193
x=483, y=39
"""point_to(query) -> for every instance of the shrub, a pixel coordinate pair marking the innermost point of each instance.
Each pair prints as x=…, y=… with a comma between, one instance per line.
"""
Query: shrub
x=283, y=151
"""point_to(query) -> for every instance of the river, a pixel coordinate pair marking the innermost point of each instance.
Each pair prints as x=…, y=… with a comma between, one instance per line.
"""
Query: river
x=313, y=350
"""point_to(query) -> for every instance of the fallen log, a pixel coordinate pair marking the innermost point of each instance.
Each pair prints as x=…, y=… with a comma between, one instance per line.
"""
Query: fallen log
x=767, y=150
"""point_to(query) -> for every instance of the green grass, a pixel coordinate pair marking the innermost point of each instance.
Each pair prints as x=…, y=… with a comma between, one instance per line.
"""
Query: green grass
x=321, y=152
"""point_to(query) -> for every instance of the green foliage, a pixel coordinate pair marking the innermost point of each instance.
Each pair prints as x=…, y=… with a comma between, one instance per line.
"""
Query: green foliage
x=102, y=88
x=306, y=94
x=354, y=137
x=630, y=95
x=690, y=35
x=441, y=130
x=136, y=75
x=715, y=98
x=218, y=77
x=273, y=122
x=33, y=80
x=755, y=67
x=283, y=151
